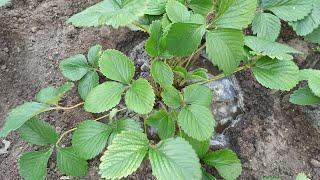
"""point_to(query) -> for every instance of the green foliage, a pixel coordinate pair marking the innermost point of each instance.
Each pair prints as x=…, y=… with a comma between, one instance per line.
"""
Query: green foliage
x=266, y=26
x=75, y=67
x=70, y=163
x=161, y=73
x=164, y=122
x=304, y=96
x=172, y=97
x=302, y=176
x=314, y=37
x=203, y=7
x=52, y=95
x=198, y=94
x=87, y=83
x=201, y=147
x=313, y=78
x=4, y=2
x=206, y=175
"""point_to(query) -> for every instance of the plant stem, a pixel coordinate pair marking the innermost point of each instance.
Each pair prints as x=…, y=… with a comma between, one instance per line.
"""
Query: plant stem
x=64, y=134
x=67, y=108
x=193, y=54
x=104, y=116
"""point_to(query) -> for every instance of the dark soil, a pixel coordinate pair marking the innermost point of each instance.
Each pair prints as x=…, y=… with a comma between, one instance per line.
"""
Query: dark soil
x=275, y=137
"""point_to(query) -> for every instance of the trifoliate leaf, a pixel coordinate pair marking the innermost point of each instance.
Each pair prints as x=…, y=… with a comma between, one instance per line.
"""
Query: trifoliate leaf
x=206, y=175
x=201, y=147
x=197, y=122
x=75, y=67
x=153, y=43
x=110, y=12
x=266, y=26
x=21, y=114
x=288, y=10
x=313, y=78
x=87, y=83
x=33, y=165
x=104, y=97
x=161, y=73
x=174, y=158
x=163, y=122
x=184, y=38
x=94, y=55
x=52, y=95
x=276, y=74
x=140, y=97
x=235, y=14
x=203, y=7
x=225, y=48
x=198, y=94
x=314, y=37
x=124, y=155
x=70, y=163
x=38, y=132
x=270, y=48
x=177, y=12
x=172, y=97
x=116, y=66
x=124, y=125
x=156, y=7
x=90, y=138
x=4, y=2
x=226, y=162
x=302, y=176
x=304, y=96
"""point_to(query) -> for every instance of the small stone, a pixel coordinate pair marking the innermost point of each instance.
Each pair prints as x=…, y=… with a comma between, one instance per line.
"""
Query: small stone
x=3, y=67
x=315, y=163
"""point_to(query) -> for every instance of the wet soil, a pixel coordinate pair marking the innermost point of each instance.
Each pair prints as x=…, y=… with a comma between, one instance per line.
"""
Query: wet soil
x=274, y=137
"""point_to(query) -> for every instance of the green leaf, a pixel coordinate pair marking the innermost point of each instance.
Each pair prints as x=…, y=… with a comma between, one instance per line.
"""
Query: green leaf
x=140, y=97
x=94, y=55
x=153, y=43
x=200, y=73
x=52, y=95
x=270, y=48
x=110, y=12
x=90, y=138
x=276, y=74
x=174, y=158
x=4, y=2
x=197, y=122
x=313, y=78
x=225, y=48
x=266, y=26
x=124, y=155
x=181, y=71
x=226, y=162
x=302, y=176
x=70, y=163
x=202, y=7
x=161, y=73
x=163, y=122
x=206, y=175
x=21, y=114
x=75, y=67
x=38, y=132
x=172, y=97
x=177, y=12
x=304, y=96
x=314, y=37
x=235, y=14
x=288, y=10
x=198, y=94
x=156, y=7
x=87, y=83
x=124, y=125
x=33, y=165
x=184, y=38
x=116, y=66
x=104, y=97
x=201, y=147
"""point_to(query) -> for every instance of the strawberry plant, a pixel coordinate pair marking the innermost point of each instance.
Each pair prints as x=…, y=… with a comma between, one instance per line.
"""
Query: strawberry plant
x=173, y=100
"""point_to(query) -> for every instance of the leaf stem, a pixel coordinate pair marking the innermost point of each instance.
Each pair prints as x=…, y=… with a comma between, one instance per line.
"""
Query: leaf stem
x=193, y=54
x=64, y=134
x=104, y=116
x=67, y=108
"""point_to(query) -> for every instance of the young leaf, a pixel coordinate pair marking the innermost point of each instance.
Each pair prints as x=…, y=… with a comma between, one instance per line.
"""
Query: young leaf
x=198, y=94
x=153, y=43
x=184, y=38
x=52, y=95
x=90, y=138
x=161, y=73
x=199, y=73
x=304, y=96
x=302, y=176
x=225, y=48
x=116, y=66
x=70, y=163
x=33, y=165
x=75, y=67
x=174, y=158
x=313, y=78
x=156, y=7
x=181, y=71
x=38, y=132
x=94, y=55
x=201, y=147
x=87, y=83
x=270, y=48
x=226, y=162
x=288, y=10
x=235, y=14
x=266, y=26
x=163, y=122
x=140, y=97
x=124, y=125
x=197, y=122
x=177, y=12
x=172, y=97
x=124, y=155
x=203, y=7
x=314, y=37
x=4, y=2
x=206, y=175
x=111, y=12
x=21, y=114
x=104, y=97
x=276, y=74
